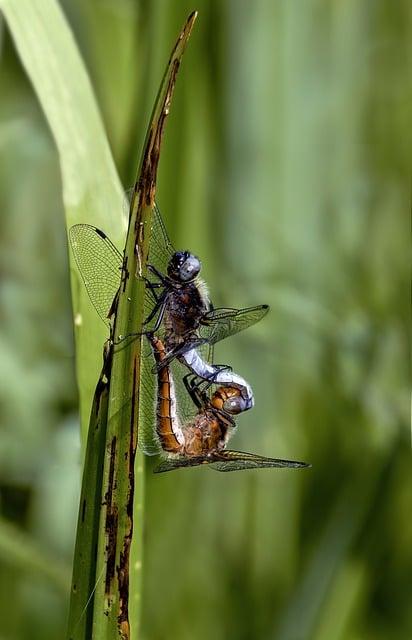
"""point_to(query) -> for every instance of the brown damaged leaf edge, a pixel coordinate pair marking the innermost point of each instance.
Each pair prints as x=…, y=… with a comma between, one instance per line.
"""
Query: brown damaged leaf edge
x=111, y=525
x=123, y=568
x=145, y=187
x=126, y=359
x=147, y=183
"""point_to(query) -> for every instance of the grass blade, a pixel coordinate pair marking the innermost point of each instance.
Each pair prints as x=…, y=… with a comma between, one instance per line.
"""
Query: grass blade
x=117, y=531
x=85, y=575
x=91, y=187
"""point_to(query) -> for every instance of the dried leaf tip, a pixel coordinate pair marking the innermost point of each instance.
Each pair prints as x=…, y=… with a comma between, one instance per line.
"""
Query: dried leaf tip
x=188, y=26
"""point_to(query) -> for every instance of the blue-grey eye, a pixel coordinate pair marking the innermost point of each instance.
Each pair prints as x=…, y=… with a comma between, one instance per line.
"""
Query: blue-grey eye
x=190, y=268
x=235, y=405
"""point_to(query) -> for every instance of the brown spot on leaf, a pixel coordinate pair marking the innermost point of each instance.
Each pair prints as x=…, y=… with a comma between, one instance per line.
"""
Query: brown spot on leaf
x=112, y=517
x=124, y=561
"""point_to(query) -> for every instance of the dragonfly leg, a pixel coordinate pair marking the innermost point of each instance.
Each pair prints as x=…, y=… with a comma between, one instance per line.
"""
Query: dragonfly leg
x=219, y=368
x=159, y=307
x=213, y=379
x=157, y=273
x=151, y=286
x=207, y=383
x=194, y=390
x=179, y=351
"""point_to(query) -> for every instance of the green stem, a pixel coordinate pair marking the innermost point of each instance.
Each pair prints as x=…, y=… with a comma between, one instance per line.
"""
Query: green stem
x=117, y=527
x=86, y=574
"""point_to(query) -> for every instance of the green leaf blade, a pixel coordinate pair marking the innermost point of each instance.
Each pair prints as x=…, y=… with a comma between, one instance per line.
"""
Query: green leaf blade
x=92, y=190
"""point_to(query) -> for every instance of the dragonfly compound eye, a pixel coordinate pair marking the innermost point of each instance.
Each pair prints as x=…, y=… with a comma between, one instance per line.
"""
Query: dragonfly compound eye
x=190, y=268
x=235, y=405
x=183, y=266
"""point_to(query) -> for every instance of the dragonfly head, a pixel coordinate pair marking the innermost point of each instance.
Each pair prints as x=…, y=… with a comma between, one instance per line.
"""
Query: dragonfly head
x=183, y=266
x=230, y=400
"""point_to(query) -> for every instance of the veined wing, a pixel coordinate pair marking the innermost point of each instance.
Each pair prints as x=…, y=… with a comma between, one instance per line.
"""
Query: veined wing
x=195, y=343
x=186, y=408
x=170, y=464
x=227, y=460
x=160, y=253
x=219, y=324
x=147, y=438
x=161, y=248
x=99, y=263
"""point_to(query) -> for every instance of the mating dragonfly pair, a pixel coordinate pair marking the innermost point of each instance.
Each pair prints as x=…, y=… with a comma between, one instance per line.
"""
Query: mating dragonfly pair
x=196, y=400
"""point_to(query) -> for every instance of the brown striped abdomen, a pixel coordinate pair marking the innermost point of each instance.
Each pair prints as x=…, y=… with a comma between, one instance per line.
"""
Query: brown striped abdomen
x=166, y=416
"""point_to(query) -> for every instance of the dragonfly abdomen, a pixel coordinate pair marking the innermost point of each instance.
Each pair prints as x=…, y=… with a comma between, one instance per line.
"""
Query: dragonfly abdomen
x=168, y=426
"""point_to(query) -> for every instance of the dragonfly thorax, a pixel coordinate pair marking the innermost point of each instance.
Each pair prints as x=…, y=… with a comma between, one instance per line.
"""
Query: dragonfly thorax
x=183, y=267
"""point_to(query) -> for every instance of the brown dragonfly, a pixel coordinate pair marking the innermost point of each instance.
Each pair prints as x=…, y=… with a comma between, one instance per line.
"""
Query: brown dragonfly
x=201, y=438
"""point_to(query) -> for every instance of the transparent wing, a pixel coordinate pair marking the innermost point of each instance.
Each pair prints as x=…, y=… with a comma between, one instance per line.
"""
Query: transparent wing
x=99, y=263
x=229, y=461
x=224, y=322
x=161, y=248
x=170, y=464
x=160, y=252
x=200, y=345
x=217, y=325
x=186, y=408
x=147, y=438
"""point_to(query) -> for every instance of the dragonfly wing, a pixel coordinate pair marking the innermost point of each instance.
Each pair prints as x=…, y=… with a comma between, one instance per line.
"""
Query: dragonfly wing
x=160, y=253
x=224, y=322
x=99, y=263
x=207, y=352
x=181, y=350
x=147, y=438
x=218, y=324
x=170, y=464
x=227, y=460
x=186, y=408
x=161, y=249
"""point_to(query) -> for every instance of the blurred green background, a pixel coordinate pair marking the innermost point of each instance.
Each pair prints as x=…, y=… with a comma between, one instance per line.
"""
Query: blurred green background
x=286, y=167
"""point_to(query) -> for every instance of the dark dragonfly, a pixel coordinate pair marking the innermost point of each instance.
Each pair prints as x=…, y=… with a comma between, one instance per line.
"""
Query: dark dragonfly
x=176, y=303
x=198, y=433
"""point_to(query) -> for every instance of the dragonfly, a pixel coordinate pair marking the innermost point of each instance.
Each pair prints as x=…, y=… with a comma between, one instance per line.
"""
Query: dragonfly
x=201, y=438
x=176, y=298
